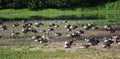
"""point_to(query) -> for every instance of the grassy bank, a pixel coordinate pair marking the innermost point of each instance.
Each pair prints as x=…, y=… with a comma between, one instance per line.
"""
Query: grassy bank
x=55, y=13
x=60, y=54
x=107, y=11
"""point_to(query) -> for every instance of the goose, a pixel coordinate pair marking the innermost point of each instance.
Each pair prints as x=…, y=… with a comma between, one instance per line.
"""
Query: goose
x=68, y=44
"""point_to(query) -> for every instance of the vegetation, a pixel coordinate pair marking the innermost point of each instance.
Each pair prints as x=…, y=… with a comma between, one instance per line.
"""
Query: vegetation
x=61, y=54
x=107, y=11
x=99, y=22
x=27, y=35
x=11, y=14
x=37, y=4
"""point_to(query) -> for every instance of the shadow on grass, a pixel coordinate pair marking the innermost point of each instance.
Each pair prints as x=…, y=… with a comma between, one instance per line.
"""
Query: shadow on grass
x=71, y=17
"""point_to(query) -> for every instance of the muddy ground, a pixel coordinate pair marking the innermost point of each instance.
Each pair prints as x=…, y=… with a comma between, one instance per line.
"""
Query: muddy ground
x=56, y=44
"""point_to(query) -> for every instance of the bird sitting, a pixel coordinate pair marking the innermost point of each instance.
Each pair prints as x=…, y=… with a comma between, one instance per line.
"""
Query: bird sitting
x=107, y=43
x=68, y=44
x=15, y=33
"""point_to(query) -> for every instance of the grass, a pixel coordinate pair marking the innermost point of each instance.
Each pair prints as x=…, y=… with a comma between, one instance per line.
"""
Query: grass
x=2, y=44
x=26, y=54
x=55, y=13
x=107, y=11
x=23, y=44
x=59, y=54
x=101, y=22
x=27, y=35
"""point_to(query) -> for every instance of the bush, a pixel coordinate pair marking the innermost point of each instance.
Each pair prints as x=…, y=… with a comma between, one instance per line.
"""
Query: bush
x=37, y=4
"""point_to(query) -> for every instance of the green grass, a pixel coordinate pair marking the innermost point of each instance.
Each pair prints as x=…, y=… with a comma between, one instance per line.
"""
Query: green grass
x=2, y=44
x=27, y=35
x=60, y=54
x=101, y=22
x=26, y=54
x=55, y=13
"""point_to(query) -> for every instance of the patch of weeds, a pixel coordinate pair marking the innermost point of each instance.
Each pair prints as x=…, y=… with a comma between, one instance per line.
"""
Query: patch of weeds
x=23, y=44
x=31, y=46
x=2, y=44
x=58, y=50
x=45, y=44
x=118, y=47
